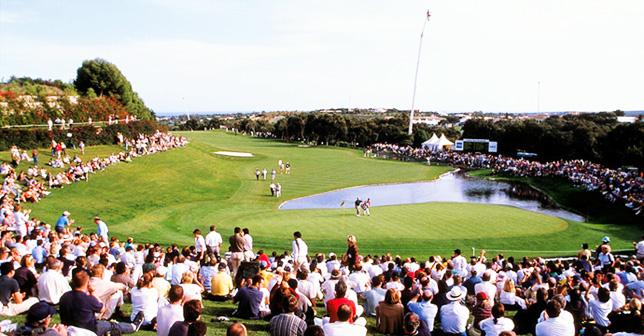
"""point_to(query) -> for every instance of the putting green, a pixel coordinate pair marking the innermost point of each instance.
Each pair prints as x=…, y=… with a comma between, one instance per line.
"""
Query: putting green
x=162, y=198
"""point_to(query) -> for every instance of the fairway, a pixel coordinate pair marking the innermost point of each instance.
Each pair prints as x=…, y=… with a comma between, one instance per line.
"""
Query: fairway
x=164, y=197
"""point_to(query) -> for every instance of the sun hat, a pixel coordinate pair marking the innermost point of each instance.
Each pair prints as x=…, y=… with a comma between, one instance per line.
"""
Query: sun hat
x=455, y=294
x=606, y=239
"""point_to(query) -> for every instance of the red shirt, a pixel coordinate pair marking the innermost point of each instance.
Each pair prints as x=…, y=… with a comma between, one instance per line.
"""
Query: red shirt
x=333, y=305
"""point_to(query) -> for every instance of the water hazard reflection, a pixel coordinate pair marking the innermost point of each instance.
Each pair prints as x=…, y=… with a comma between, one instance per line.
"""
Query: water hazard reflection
x=455, y=187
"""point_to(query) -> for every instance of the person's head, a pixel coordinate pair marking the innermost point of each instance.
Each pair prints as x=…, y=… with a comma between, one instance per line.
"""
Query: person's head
x=27, y=261
x=54, y=264
x=97, y=270
x=192, y=310
x=584, y=246
x=340, y=289
x=196, y=232
x=635, y=305
x=392, y=296
x=351, y=239
x=237, y=230
x=187, y=277
x=39, y=315
x=7, y=269
x=508, y=286
x=175, y=294
x=246, y=231
x=257, y=280
x=411, y=322
x=498, y=311
x=297, y=234
x=120, y=267
x=553, y=308
x=197, y=328
x=376, y=282
x=236, y=329
x=427, y=295
x=314, y=330
x=80, y=280
x=603, y=294
x=289, y=303
x=344, y=312
x=213, y=228
x=144, y=281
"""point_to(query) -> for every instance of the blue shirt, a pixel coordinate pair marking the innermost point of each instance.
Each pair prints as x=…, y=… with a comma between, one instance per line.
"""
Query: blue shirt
x=63, y=221
x=39, y=253
x=426, y=311
x=249, y=299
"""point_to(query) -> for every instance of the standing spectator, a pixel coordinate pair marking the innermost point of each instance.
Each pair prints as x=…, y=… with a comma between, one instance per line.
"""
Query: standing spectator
x=213, y=243
x=300, y=250
x=63, y=222
x=236, y=249
x=101, y=229
x=248, y=245
x=639, y=249
x=352, y=252
x=200, y=246
x=34, y=156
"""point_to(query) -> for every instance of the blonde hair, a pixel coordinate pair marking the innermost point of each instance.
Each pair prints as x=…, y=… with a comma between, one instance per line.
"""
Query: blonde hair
x=187, y=277
x=392, y=296
x=509, y=286
x=352, y=239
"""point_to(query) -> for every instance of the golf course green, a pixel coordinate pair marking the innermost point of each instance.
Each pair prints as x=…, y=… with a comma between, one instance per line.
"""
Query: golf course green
x=164, y=197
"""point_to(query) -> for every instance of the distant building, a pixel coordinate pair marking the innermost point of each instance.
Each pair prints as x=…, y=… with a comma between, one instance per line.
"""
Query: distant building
x=626, y=120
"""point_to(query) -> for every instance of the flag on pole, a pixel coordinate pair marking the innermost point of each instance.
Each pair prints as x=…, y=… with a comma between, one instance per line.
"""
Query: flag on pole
x=428, y=15
x=342, y=204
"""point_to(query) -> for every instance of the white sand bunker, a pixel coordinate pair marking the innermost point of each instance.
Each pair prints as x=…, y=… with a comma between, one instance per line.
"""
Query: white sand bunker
x=237, y=154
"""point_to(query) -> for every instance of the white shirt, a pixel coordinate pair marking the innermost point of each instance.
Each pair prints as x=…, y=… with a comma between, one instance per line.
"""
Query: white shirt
x=454, y=318
x=492, y=329
x=343, y=329
x=460, y=264
x=200, y=244
x=51, y=286
x=555, y=326
x=145, y=300
x=166, y=316
x=213, y=239
x=177, y=272
x=486, y=287
x=599, y=311
x=300, y=250
x=191, y=292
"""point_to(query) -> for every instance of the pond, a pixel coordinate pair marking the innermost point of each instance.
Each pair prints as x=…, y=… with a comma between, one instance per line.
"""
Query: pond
x=452, y=187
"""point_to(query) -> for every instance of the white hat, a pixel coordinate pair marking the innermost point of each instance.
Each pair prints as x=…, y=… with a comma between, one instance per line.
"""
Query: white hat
x=605, y=239
x=66, y=213
x=455, y=294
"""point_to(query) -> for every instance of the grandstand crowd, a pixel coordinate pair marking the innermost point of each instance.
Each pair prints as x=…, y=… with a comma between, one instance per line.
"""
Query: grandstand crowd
x=617, y=185
x=87, y=277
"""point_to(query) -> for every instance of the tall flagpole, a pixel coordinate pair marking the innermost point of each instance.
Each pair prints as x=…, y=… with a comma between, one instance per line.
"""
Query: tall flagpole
x=413, y=98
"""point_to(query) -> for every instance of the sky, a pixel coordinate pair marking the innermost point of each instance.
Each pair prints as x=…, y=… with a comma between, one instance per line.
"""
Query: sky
x=248, y=55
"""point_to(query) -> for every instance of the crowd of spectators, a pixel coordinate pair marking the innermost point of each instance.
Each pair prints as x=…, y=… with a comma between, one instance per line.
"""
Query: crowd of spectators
x=616, y=185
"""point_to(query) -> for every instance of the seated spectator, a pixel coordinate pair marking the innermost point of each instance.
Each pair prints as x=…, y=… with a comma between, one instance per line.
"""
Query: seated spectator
x=144, y=299
x=390, y=313
x=374, y=296
x=599, y=307
x=79, y=306
x=26, y=276
x=122, y=275
x=494, y=325
x=554, y=325
x=413, y=325
x=454, y=315
x=287, y=323
x=192, y=289
x=342, y=326
x=629, y=320
x=340, y=299
x=482, y=310
x=38, y=321
x=221, y=284
x=425, y=309
x=12, y=299
x=169, y=314
x=249, y=299
x=197, y=328
x=109, y=293
x=236, y=329
x=509, y=298
x=52, y=284
x=191, y=313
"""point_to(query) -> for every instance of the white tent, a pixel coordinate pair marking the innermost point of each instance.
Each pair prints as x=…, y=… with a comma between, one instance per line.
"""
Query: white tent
x=435, y=143
x=429, y=144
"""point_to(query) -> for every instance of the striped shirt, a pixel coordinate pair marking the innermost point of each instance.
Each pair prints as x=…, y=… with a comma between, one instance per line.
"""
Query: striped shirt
x=287, y=325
